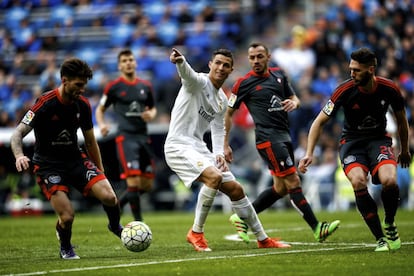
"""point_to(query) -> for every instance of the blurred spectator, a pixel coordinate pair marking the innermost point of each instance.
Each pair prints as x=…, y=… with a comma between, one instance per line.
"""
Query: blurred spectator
x=198, y=44
x=50, y=76
x=233, y=27
x=167, y=28
x=7, y=47
x=265, y=11
x=296, y=58
x=323, y=84
x=184, y=15
x=208, y=14
x=121, y=33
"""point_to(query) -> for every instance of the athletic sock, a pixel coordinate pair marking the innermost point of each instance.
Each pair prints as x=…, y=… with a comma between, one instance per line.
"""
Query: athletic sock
x=133, y=195
x=245, y=211
x=65, y=236
x=266, y=199
x=298, y=200
x=390, y=199
x=205, y=200
x=114, y=215
x=369, y=211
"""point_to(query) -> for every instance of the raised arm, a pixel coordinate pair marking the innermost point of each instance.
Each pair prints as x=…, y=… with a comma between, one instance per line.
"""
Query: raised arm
x=185, y=71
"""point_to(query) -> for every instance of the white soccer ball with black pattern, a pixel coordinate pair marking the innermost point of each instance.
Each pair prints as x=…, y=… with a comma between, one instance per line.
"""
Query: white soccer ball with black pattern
x=136, y=236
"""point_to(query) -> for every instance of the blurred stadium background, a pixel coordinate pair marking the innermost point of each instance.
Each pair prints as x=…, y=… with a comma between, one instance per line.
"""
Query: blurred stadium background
x=310, y=40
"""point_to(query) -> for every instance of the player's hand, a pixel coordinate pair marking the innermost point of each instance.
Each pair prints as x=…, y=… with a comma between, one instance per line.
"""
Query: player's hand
x=289, y=105
x=22, y=163
x=404, y=159
x=104, y=129
x=304, y=163
x=221, y=163
x=176, y=56
x=147, y=115
x=228, y=154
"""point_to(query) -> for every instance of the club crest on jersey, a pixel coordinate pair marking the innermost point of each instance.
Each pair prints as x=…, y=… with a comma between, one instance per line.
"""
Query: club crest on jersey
x=328, y=108
x=28, y=117
x=232, y=99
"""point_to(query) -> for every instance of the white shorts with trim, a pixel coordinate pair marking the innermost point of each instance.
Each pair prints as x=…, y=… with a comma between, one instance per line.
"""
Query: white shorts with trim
x=188, y=162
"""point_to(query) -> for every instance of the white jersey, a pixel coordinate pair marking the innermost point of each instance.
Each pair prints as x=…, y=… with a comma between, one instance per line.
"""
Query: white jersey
x=198, y=107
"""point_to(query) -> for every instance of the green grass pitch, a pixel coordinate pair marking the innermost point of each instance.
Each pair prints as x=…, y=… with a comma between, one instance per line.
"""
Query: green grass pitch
x=28, y=246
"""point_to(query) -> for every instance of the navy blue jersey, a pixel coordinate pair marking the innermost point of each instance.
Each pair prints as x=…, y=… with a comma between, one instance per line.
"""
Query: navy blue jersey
x=55, y=126
x=129, y=100
x=263, y=96
x=365, y=112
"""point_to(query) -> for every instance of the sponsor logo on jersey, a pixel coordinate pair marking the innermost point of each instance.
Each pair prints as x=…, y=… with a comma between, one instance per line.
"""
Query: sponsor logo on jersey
x=275, y=104
x=62, y=139
x=28, y=117
x=328, y=108
x=134, y=110
x=205, y=115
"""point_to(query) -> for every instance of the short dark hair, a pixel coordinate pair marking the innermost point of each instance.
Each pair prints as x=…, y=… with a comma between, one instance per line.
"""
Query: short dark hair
x=258, y=44
x=224, y=52
x=125, y=52
x=364, y=56
x=75, y=68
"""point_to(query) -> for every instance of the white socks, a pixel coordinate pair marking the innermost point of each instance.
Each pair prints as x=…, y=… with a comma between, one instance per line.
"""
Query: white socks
x=244, y=209
x=205, y=200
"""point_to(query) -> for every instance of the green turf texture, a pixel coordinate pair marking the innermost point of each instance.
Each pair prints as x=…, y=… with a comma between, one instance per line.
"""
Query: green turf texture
x=28, y=246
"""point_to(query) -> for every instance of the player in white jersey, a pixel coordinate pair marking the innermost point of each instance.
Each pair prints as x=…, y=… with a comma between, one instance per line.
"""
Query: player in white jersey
x=200, y=106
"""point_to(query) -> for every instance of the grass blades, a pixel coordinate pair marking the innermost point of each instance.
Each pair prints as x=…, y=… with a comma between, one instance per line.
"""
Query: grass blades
x=28, y=246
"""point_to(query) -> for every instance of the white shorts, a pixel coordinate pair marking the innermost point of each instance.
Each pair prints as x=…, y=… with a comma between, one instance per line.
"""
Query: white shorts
x=188, y=162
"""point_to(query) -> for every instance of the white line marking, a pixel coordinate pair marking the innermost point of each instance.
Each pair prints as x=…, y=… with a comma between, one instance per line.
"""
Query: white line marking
x=267, y=253
x=343, y=246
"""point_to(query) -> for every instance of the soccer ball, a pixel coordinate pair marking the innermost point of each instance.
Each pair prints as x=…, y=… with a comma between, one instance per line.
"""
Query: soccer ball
x=136, y=236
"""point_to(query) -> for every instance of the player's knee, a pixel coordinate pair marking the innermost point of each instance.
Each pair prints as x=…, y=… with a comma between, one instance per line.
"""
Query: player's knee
x=67, y=219
x=389, y=181
x=213, y=180
x=233, y=190
x=237, y=192
x=109, y=199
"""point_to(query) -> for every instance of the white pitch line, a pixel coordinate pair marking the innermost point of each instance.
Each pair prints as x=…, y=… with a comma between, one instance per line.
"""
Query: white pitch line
x=267, y=253
x=233, y=237
x=205, y=257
